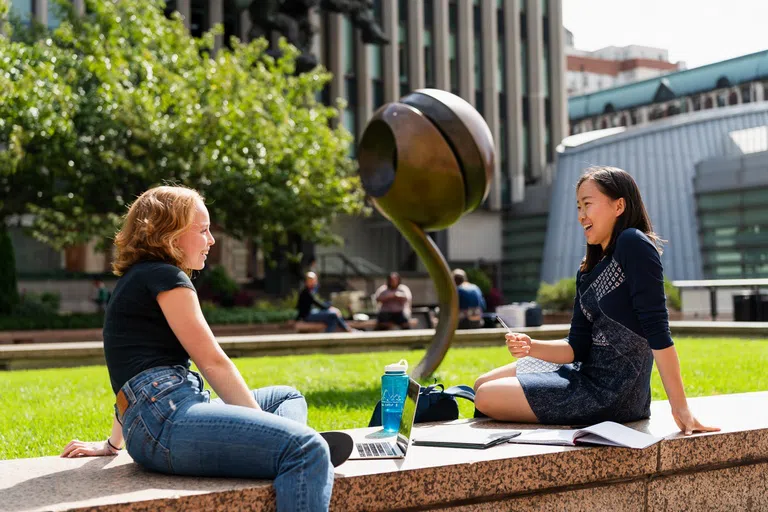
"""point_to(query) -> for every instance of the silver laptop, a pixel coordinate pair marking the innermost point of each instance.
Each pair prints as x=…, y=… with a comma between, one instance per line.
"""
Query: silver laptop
x=393, y=449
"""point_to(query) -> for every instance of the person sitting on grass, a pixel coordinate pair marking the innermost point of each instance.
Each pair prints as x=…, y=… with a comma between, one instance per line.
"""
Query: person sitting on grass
x=153, y=329
x=602, y=371
x=321, y=312
x=395, y=299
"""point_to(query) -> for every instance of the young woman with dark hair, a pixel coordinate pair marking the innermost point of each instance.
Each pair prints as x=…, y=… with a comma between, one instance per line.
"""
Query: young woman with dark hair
x=602, y=371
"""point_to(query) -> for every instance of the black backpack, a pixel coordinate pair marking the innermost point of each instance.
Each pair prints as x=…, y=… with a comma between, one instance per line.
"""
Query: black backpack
x=435, y=404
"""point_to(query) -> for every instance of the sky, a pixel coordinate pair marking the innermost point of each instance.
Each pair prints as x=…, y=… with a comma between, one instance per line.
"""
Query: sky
x=697, y=32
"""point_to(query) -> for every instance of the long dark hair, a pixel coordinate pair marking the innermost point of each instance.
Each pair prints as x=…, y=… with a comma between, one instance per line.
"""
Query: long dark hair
x=616, y=183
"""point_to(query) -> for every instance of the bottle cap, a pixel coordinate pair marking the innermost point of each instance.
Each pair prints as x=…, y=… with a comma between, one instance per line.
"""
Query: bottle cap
x=400, y=366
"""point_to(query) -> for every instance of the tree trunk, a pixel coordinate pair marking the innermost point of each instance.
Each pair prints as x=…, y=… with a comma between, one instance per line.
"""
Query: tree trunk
x=9, y=293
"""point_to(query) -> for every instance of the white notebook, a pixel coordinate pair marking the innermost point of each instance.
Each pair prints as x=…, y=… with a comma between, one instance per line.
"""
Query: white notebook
x=606, y=433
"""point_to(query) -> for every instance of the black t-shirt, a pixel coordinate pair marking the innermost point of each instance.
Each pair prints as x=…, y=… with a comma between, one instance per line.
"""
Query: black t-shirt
x=306, y=300
x=137, y=336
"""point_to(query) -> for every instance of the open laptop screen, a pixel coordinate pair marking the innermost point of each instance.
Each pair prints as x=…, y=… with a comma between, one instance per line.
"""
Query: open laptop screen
x=409, y=415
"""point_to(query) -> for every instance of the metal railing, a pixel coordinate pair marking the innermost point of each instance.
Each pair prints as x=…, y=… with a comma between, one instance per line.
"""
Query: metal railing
x=342, y=266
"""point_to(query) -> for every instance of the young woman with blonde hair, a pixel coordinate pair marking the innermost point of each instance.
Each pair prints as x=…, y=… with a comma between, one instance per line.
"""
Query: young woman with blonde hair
x=153, y=326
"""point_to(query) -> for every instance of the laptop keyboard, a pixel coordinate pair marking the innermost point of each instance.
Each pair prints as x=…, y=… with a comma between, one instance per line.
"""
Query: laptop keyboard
x=375, y=449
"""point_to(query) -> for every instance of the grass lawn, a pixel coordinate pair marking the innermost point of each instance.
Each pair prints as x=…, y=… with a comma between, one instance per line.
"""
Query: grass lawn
x=42, y=410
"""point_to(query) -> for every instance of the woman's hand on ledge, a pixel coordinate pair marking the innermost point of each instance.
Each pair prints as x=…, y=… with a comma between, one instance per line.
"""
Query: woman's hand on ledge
x=77, y=448
x=688, y=424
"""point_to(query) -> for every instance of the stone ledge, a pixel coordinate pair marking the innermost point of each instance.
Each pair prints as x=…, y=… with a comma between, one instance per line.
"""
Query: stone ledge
x=715, y=471
x=74, y=353
x=37, y=355
x=66, y=335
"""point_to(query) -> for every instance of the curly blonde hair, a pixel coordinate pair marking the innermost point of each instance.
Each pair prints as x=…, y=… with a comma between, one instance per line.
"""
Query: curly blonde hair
x=153, y=223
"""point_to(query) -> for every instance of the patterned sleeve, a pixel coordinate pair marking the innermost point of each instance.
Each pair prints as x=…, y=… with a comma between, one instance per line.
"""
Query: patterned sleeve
x=640, y=260
x=580, y=335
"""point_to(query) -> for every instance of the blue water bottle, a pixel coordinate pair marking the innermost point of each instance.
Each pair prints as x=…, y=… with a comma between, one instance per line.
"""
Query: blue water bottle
x=394, y=387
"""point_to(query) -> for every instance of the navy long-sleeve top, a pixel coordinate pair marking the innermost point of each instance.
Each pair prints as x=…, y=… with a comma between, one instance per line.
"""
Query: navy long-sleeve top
x=636, y=300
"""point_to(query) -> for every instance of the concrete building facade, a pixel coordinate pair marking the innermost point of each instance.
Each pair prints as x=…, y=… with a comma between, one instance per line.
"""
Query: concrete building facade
x=613, y=66
x=505, y=57
x=735, y=81
x=704, y=181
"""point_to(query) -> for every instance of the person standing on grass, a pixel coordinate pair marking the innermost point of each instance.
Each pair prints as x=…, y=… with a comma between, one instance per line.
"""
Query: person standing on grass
x=152, y=328
x=602, y=371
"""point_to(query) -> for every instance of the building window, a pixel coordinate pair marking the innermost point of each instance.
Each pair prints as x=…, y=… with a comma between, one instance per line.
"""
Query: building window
x=429, y=49
x=746, y=93
x=505, y=195
x=170, y=8
x=733, y=228
x=348, y=47
x=673, y=109
x=656, y=113
x=549, y=146
x=501, y=79
x=375, y=62
x=524, y=68
x=501, y=87
x=54, y=14
x=22, y=9
x=453, y=55
x=545, y=68
x=349, y=65
x=708, y=103
x=403, y=45
x=733, y=98
x=526, y=153
x=696, y=100
x=477, y=19
x=721, y=100
x=349, y=123
x=199, y=17
x=231, y=22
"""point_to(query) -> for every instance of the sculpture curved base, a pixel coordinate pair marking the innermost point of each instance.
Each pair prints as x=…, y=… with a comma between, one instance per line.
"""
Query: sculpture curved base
x=447, y=296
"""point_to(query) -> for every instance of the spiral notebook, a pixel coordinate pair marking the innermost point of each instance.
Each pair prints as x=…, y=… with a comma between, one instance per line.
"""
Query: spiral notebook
x=607, y=433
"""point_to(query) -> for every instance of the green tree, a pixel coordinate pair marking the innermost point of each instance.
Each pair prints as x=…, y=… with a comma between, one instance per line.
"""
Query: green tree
x=35, y=117
x=151, y=105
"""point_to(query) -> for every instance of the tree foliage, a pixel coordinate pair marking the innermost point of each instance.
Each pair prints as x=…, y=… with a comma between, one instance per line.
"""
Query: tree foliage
x=141, y=102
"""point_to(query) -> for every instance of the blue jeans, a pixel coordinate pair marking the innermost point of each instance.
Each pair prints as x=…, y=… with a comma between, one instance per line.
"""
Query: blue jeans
x=329, y=318
x=172, y=426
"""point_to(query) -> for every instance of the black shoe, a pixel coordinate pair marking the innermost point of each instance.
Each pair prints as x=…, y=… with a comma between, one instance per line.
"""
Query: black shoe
x=340, y=444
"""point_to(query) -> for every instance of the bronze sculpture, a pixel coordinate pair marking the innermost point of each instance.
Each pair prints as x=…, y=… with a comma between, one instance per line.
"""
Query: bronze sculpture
x=290, y=19
x=425, y=161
